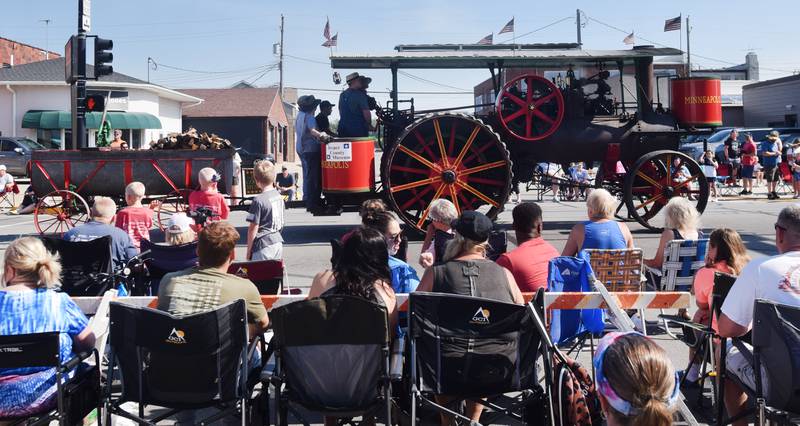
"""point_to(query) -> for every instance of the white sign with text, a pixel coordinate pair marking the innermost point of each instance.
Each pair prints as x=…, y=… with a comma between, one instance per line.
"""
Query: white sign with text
x=339, y=151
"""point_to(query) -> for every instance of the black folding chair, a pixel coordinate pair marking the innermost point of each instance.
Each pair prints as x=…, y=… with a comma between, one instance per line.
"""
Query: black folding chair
x=469, y=348
x=76, y=396
x=86, y=266
x=160, y=260
x=183, y=363
x=267, y=275
x=331, y=357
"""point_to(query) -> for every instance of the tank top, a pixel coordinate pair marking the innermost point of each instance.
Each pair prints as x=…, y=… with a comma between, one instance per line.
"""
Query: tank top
x=477, y=278
x=677, y=235
x=603, y=235
x=333, y=291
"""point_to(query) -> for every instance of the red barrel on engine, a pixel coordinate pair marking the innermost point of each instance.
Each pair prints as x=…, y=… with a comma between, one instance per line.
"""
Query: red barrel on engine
x=696, y=101
x=348, y=165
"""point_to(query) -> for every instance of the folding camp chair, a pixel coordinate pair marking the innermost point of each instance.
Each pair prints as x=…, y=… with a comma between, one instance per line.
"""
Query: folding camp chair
x=724, y=181
x=619, y=270
x=86, y=266
x=8, y=199
x=77, y=389
x=469, y=348
x=331, y=357
x=160, y=260
x=183, y=363
x=785, y=184
x=267, y=275
x=682, y=258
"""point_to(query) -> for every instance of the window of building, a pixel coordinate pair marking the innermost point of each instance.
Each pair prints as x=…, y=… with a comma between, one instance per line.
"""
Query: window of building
x=51, y=139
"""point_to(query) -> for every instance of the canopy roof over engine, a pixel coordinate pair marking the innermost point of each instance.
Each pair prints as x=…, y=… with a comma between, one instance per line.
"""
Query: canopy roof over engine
x=447, y=56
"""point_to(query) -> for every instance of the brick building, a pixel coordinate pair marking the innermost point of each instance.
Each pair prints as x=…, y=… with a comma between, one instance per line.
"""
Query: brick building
x=16, y=53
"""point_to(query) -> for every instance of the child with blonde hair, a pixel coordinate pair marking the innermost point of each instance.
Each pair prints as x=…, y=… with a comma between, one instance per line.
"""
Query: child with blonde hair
x=264, y=240
x=136, y=219
x=209, y=196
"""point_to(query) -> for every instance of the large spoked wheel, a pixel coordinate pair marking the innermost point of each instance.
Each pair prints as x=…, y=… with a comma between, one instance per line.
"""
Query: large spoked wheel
x=447, y=156
x=655, y=178
x=175, y=202
x=60, y=211
x=530, y=107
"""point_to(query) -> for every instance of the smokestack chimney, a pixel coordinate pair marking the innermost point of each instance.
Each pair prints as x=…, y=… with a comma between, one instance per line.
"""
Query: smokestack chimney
x=751, y=60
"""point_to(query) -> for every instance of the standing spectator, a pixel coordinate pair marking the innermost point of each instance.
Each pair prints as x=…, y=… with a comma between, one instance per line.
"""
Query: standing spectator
x=601, y=231
x=749, y=162
x=442, y=213
x=528, y=262
x=355, y=118
x=136, y=219
x=307, y=143
x=771, y=151
x=286, y=183
x=102, y=215
x=29, y=305
x=264, y=240
x=773, y=279
x=179, y=230
x=733, y=154
x=118, y=143
x=549, y=173
x=6, y=180
x=208, y=196
x=237, y=177
x=323, y=124
x=709, y=166
x=635, y=380
x=404, y=277
x=793, y=158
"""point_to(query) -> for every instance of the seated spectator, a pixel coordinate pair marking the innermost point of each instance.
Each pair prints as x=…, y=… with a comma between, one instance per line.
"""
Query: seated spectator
x=208, y=195
x=362, y=271
x=28, y=305
x=286, y=183
x=368, y=208
x=601, y=231
x=681, y=222
x=179, y=230
x=529, y=261
x=727, y=254
x=442, y=212
x=102, y=215
x=404, y=277
x=28, y=204
x=635, y=380
x=264, y=240
x=773, y=279
x=579, y=181
x=466, y=271
x=136, y=219
x=6, y=180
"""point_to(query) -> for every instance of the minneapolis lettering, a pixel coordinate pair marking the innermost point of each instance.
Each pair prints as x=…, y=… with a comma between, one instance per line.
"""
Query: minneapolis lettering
x=691, y=100
x=335, y=165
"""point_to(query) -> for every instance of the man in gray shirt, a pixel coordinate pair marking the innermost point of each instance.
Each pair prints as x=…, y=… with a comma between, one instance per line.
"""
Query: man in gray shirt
x=264, y=240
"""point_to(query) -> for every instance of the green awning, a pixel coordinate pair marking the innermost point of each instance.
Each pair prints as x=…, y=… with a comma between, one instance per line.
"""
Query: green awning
x=63, y=120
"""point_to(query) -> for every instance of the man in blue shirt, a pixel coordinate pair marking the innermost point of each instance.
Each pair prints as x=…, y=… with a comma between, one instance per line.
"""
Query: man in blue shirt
x=103, y=211
x=307, y=144
x=355, y=118
x=771, y=151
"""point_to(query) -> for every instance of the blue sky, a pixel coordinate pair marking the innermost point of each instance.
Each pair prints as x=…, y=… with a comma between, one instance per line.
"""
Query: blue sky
x=232, y=40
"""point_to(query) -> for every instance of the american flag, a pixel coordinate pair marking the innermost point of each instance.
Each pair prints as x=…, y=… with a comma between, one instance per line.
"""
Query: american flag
x=327, y=31
x=331, y=42
x=673, y=24
x=486, y=40
x=509, y=28
x=630, y=39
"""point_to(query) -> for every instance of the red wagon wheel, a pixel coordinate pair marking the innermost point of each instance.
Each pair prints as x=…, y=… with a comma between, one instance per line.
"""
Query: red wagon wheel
x=60, y=211
x=530, y=107
x=447, y=156
x=655, y=178
x=175, y=202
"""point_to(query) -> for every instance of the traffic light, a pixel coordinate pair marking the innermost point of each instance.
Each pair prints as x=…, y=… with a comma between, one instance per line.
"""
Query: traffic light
x=94, y=103
x=103, y=57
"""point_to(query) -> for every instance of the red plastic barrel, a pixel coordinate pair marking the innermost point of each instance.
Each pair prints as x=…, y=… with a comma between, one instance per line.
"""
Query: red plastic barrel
x=696, y=101
x=348, y=165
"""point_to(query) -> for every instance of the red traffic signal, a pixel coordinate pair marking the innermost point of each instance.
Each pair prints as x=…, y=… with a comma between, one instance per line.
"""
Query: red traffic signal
x=94, y=103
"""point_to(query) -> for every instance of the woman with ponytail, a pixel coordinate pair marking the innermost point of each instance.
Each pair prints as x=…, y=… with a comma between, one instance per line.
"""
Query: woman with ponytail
x=29, y=305
x=635, y=380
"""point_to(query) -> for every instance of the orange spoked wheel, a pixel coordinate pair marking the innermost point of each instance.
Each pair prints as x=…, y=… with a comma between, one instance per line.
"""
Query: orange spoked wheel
x=530, y=107
x=60, y=211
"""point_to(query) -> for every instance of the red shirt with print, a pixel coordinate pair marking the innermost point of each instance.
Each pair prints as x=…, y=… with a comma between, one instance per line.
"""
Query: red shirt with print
x=136, y=221
x=213, y=200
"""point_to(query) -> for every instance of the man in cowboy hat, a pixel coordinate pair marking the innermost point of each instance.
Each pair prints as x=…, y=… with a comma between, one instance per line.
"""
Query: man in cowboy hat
x=307, y=144
x=355, y=118
x=771, y=150
x=325, y=110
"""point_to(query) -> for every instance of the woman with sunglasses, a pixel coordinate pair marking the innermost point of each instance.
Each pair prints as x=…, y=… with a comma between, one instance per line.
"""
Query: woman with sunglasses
x=404, y=277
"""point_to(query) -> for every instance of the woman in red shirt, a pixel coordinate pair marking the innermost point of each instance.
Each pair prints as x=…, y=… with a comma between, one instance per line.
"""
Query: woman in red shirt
x=749, y=160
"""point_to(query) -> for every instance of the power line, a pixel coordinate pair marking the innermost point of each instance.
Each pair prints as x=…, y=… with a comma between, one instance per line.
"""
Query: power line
x=212, y=72
x=313, y=61
x=385, y=92
x=540, y=28
x=425, y=80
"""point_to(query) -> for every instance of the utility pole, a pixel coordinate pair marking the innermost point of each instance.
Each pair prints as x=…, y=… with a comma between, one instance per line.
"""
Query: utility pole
x=688, y=48
x=578, y=22
x=280, y=63
x=46, y=38
x=78, y=87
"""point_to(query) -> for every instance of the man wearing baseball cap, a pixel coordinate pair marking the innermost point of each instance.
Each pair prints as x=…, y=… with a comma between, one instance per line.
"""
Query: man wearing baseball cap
x=307, y=143
x=325, y=110
x=355, y=118
x=771, y=150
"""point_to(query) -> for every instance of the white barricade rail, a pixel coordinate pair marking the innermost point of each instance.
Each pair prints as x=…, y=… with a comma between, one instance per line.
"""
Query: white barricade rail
x=588, y=300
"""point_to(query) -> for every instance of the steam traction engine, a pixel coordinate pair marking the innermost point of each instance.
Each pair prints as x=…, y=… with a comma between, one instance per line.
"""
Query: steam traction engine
x=470, y=159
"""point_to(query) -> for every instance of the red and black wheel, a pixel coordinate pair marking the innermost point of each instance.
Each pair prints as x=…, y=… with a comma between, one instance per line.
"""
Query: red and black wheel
x=60, y=211
x=530, y=107
x=658, y=176
x=175, y=202
x=447, y=156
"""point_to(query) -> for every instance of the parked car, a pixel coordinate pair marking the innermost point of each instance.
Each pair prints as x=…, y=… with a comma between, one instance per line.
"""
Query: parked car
x=15, y=153
x=695, y=149
x=716, y=142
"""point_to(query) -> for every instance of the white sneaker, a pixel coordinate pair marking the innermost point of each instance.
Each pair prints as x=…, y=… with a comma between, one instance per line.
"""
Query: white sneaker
x=555, y=198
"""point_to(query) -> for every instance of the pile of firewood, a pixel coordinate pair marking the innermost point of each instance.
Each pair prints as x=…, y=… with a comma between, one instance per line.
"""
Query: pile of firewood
x=190, y=139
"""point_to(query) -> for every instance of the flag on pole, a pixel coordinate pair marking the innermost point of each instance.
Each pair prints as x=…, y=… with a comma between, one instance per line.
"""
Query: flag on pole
x=331, y=42
x=486, y=40
x=509, y=28
x=673, y=24
x=630, y=39
x=327, y=31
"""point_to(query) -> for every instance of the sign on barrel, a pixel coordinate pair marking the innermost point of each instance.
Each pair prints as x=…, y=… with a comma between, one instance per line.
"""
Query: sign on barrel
x=339, y=151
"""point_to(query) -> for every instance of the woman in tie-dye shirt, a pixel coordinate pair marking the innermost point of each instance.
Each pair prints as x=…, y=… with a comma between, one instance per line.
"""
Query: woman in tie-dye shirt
x=28, y=305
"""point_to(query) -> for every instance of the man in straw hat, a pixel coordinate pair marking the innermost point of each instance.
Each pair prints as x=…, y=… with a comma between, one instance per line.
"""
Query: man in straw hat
x=355, y=118
x=307, y=143
x=771, y=150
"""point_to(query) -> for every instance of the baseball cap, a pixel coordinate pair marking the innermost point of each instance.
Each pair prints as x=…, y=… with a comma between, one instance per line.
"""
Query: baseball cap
x=2, y=167
x=179, y=223
x=324, y=104
x=473, y=225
